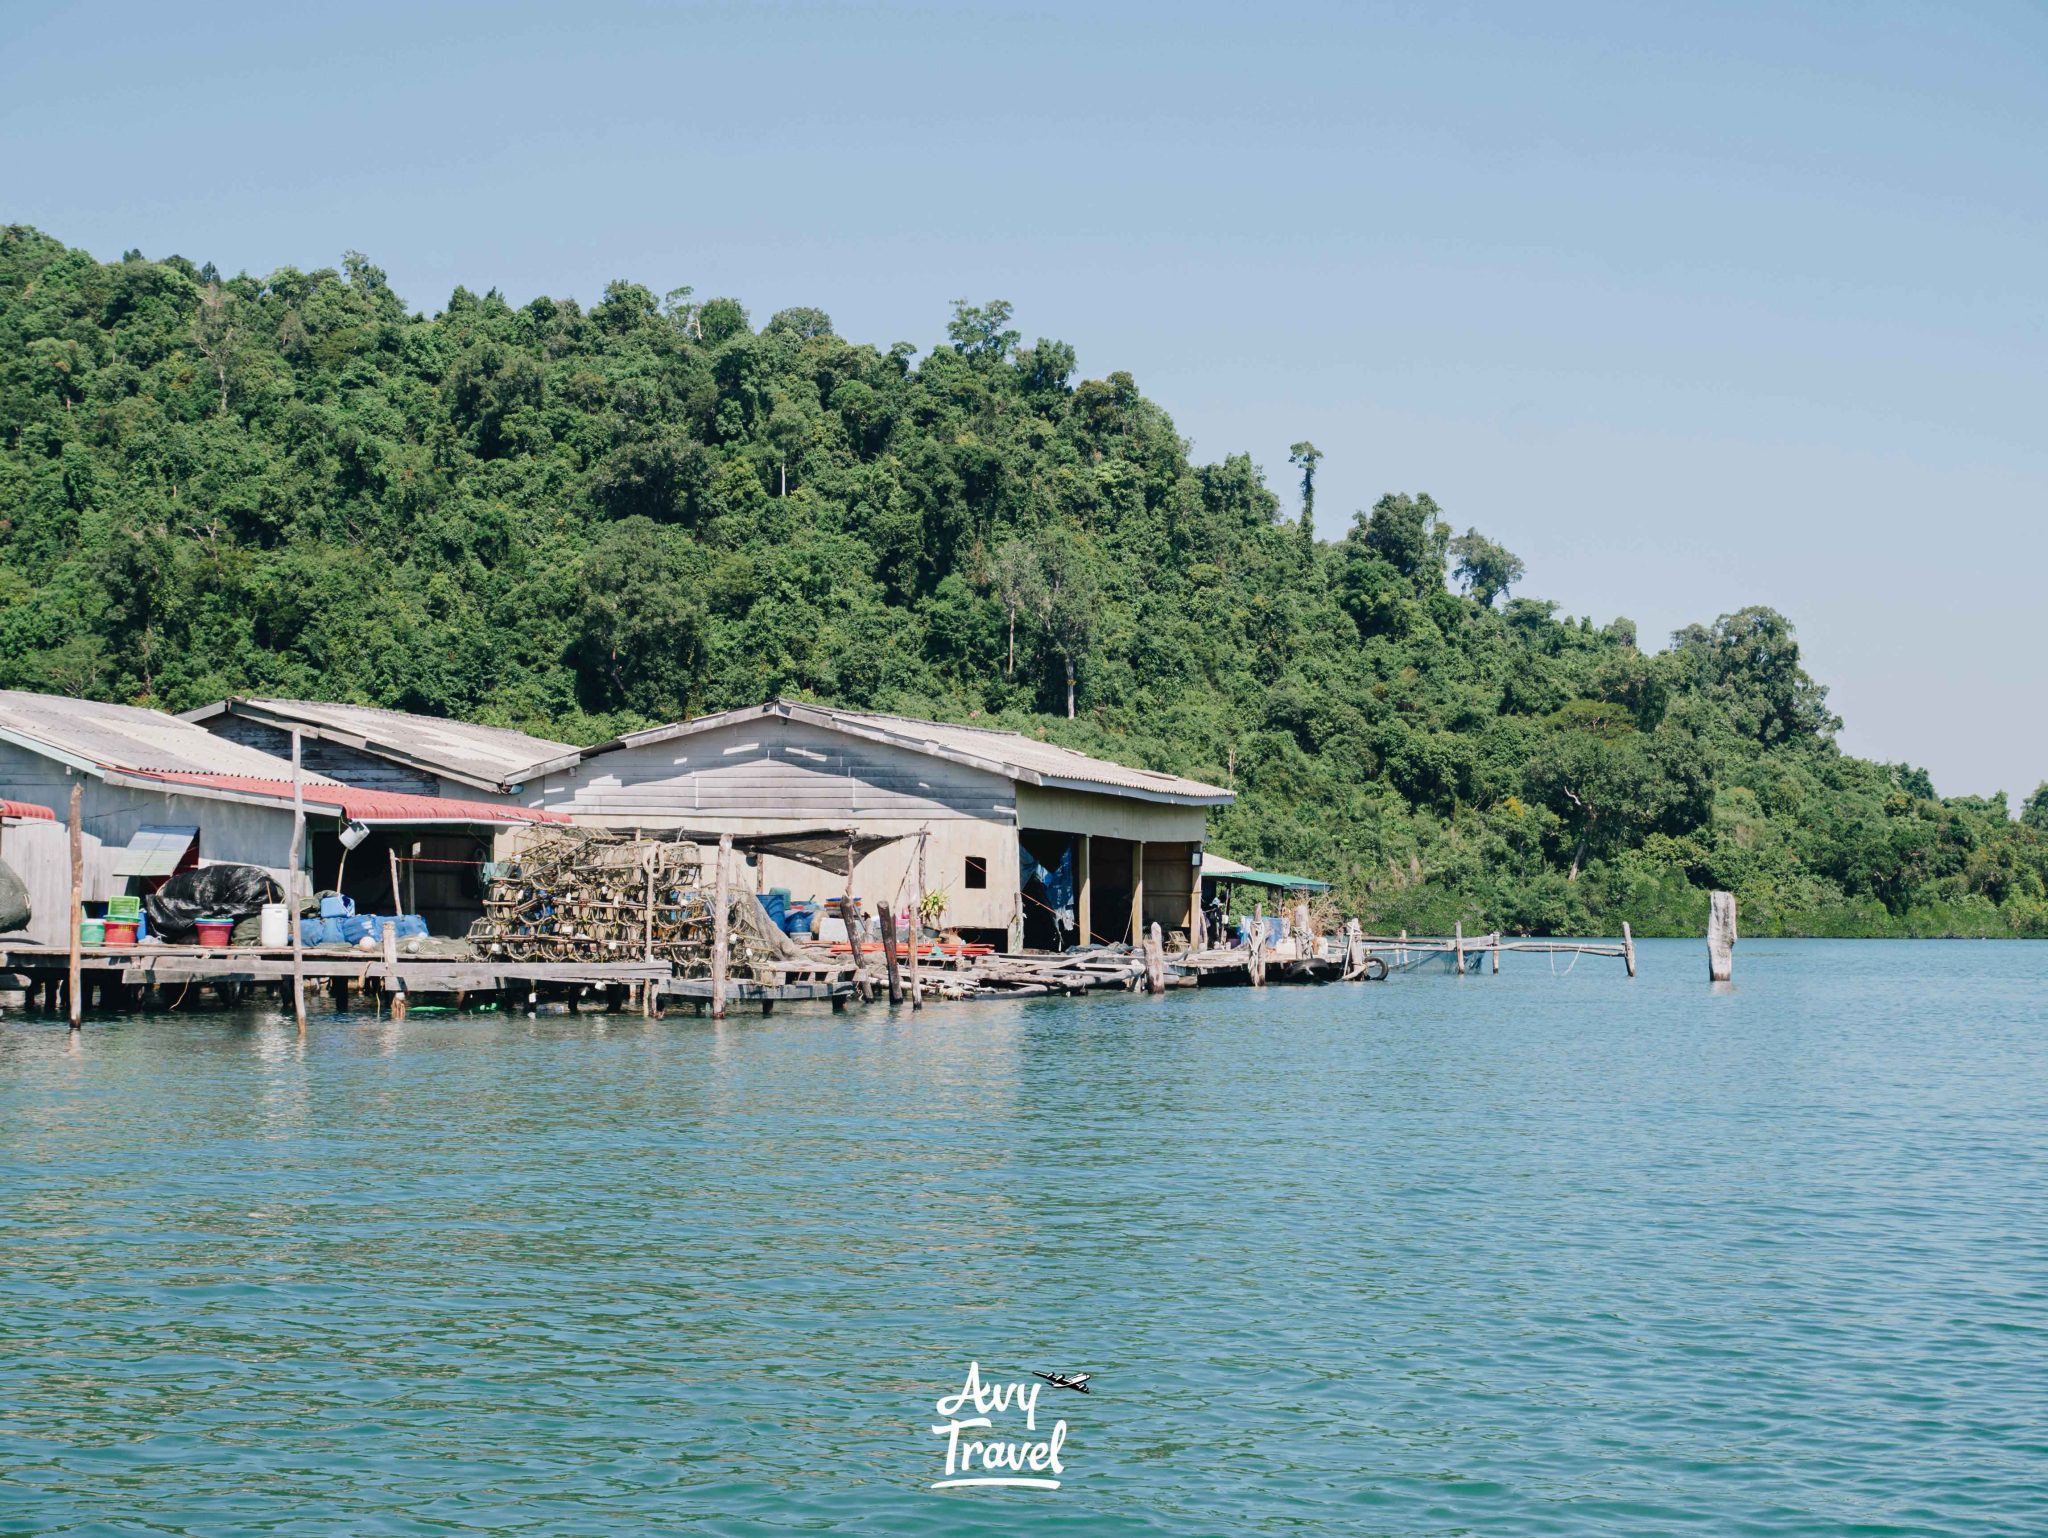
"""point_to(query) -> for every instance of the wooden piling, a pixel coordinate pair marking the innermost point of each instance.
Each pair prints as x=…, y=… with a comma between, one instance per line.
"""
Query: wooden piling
x=394, y=984
x=397, y=896
x=1628, y=948
x=1496, y=953
x=860, y=972
x=1458, y=946
x=291, y=900
x=647, y=910
x=1255, y=964
x=917, y=928
x=1155, y=961
x=1137, y=930
x=73, y=993
x=720, y=935
x=886, y=917
x=1721, y=937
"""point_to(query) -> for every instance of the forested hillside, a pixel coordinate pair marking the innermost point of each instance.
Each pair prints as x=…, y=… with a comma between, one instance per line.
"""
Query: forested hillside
x=580, y=520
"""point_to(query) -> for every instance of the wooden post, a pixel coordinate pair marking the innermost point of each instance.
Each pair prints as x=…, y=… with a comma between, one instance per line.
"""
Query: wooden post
x=1155, y=960
x=1496, y=953
x=1304, y=941
x=885, y=915
x=1721, y=937
x=291, y=900
x=917, y=928
x=860, y=971
x=719, y=920
x=394, y=985
x=1458, y=945
x=647, y=913
x=1402, y=953
x=1628, y=948
x=1138, y=892
x=1084, y=889
x=73, y=994
x=1256, y=966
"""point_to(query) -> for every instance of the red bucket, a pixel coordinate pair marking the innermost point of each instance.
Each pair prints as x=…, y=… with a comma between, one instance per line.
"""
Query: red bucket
x=120, y=932
x=215, y=932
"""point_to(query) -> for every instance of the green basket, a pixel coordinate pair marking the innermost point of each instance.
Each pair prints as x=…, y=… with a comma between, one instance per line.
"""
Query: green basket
x=124, y=910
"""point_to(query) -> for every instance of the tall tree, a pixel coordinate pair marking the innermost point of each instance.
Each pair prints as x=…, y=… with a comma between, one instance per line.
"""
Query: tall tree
x=1307, y=456
x=1015, y=576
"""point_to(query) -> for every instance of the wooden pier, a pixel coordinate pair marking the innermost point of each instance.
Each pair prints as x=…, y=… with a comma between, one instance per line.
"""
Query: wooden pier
x=150, y=976
x=145, y=974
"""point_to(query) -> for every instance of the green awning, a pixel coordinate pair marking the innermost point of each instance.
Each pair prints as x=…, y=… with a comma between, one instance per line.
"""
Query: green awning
x=1275, y=879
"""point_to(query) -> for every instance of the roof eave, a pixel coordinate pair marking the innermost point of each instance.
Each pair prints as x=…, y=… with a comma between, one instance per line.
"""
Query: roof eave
x=1133, y=793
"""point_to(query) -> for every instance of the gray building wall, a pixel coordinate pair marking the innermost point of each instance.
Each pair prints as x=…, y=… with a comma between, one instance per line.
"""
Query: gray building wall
x=110, y=817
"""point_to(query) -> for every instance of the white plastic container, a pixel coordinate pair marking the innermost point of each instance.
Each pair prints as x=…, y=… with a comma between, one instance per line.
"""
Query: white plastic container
x=275, y=926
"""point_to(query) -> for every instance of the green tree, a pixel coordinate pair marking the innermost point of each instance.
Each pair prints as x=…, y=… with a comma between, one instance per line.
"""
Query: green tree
x=1409, y=534
x=1484, y=569
x=1307, y=456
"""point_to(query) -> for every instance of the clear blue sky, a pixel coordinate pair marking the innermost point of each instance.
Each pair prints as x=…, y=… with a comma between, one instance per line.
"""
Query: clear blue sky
x=1691, y=306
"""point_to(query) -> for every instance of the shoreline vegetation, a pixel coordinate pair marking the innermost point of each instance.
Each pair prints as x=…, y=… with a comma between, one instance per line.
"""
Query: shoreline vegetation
x=583, y=521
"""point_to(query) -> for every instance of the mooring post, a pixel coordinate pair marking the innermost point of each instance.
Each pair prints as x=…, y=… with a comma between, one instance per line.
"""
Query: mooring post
x=73, y=993
x=719, y=932
x=886, y=917
x=291, y=905
x=1721, y=937
x=1256, y=965
x=1155, y=961
x=1628, y=948
x=1496, y=953
x=917, y=928
x=1403, y=952
x=1458, y=945
x=860, y=971
x=394, y=985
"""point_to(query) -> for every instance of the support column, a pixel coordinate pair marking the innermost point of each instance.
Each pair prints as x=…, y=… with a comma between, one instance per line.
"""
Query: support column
x=719, y=921
x=1138, y=892
x=1084, y=889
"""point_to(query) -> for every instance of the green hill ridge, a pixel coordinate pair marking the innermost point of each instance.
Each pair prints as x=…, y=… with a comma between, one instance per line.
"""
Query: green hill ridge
x=583, y=520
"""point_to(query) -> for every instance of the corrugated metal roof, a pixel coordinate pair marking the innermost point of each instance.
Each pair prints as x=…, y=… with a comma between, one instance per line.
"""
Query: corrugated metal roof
x=364, y=805
x=91, y=732
x=1007, y=753
x=26, y=811
x=492, y=756
x=1014, y=750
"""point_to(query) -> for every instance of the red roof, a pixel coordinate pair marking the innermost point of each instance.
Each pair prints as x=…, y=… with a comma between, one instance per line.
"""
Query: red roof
x=26, y=811
x=360, y=805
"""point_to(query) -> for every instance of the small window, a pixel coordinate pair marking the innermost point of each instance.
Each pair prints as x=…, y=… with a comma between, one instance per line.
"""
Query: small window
x=977, y=873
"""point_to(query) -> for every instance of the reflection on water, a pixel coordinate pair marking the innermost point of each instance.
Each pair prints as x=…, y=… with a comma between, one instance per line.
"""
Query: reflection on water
x=1528, y=1254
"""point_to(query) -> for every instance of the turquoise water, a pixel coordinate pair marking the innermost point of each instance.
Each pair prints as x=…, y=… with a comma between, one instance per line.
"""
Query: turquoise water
x=1527, y=1255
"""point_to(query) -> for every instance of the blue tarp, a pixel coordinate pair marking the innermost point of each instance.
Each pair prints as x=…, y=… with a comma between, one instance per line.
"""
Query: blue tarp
x=1054, y=883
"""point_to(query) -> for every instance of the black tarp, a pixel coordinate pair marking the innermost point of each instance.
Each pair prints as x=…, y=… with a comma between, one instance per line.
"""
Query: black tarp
x=13, y=899
x=211, y=892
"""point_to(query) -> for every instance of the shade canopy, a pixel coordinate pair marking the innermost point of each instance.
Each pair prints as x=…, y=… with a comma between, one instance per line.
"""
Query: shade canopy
x=156, y=850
